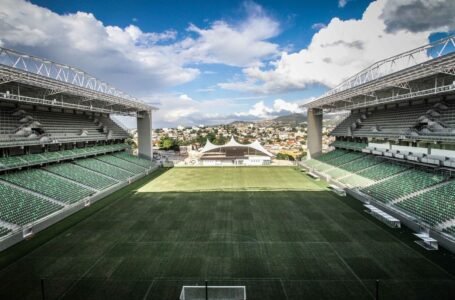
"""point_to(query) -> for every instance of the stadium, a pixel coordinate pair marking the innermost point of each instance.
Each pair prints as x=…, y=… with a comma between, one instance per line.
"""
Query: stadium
x=82, y=217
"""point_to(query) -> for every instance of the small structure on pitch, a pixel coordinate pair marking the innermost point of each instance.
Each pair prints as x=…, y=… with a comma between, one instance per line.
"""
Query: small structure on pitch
x=212, y=292
x=234, y=153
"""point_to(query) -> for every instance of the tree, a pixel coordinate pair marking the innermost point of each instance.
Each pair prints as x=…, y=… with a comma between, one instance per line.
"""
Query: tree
x=167, y=143
x=131, y=142
x=285, y=156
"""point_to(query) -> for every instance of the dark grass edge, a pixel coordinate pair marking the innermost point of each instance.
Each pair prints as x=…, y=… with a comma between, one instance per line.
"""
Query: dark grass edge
x=19, y=250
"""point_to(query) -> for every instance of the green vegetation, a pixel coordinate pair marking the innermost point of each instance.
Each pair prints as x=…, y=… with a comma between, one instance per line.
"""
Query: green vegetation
x=167, y=143
x=285, y=156
x=274, y=230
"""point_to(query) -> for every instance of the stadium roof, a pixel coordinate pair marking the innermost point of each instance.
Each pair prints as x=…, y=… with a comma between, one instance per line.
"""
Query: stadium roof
x=234, y=144
x=422, y=72
x=34, y=80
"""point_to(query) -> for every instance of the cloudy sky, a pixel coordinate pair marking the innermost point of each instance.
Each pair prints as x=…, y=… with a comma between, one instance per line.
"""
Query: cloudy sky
x=210, y=62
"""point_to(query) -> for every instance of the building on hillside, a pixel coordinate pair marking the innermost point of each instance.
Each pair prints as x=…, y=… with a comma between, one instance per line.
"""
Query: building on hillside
x=234, y=153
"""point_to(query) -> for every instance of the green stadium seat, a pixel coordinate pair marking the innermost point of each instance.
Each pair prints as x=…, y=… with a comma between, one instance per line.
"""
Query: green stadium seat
x=82, y=175
x=401, y=185
x=434, y=206
x=121, y=163
x=49, y=185
x=19, y=207
x=104, y=168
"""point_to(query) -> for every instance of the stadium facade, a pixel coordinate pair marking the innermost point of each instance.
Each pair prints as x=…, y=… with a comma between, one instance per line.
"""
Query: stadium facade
x=60, y=150
x=235, y=154
x=396, y=148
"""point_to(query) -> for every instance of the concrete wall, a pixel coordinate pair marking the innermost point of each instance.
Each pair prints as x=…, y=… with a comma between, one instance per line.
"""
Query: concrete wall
x=144, y=133
x=314, y=131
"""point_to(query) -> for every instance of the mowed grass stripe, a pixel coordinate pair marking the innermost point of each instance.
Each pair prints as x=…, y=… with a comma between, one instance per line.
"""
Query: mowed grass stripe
x=276, y=231
x=230, y=179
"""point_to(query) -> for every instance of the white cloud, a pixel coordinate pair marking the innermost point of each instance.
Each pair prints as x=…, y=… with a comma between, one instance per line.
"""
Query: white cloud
x=126, y=57
x=335, y=53
x=279, y=107
x=242, y=44
x=259, y=110
x=183, y=109
x=419, y=15
x=129, y=58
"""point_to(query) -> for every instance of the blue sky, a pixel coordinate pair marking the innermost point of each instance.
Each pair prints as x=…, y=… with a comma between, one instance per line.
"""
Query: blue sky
x=209, y=62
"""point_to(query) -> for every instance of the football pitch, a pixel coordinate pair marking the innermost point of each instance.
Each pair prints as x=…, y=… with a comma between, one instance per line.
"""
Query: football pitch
x=271, y=229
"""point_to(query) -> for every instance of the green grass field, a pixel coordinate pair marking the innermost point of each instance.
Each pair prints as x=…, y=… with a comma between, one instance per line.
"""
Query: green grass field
x=274, y=230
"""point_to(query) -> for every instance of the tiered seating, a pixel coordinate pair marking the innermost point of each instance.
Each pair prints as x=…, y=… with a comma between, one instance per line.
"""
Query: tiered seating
x=352, y=167
x=391, y=122
x=382, y=171
x=117, y=131
x=134, y=159
x=356, y=181
x=123, y=164
x=55, y=127
x=320, y=162
x=81, y=175
x=104, y=168
x=401, y=185
x=349, y=145
x=33, y=158
x=434, y=206
x=360, y=164
x=11, y=161
x=450, y=230
x=331, y=155
x=20, y=208
x=40, y=158
x=4, y=231
x=64, y=126
x=345, y=158
x=49, y=185
x=342, y=129
x=337, y=173
x=55, y=155
x=333, y=159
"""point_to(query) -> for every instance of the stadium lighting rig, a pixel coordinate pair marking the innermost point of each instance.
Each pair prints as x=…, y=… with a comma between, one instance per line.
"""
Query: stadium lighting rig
x=54, y=84
x=421, y=72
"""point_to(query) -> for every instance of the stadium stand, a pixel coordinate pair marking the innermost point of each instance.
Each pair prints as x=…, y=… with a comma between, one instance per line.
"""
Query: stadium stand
x=450, y=230
x=134, y=159
x=38, y=127
x=49, y=185
x=382, y=171
x=123, y=164
x=345, y=127
x=406, y=130
x=19, y=207
x=4, y=231
x=82, y=175
x=104, y=168
x=430, y=120
x=401, y=185
x=349, y=145
x=46, y=157
x=433, y=206
x=57, y=140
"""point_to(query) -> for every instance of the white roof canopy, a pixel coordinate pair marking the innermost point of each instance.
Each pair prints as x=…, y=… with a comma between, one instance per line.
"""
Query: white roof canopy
x=234, y=144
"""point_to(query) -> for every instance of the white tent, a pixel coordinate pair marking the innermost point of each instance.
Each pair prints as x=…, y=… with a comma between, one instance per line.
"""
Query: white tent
x=234, y=144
